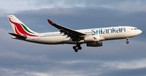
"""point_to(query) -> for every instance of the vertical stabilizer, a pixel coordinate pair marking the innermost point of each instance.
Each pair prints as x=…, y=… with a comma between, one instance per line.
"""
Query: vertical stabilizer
x=20, y=28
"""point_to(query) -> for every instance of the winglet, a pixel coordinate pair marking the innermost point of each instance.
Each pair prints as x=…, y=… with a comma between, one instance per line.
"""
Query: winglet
x=50, y=22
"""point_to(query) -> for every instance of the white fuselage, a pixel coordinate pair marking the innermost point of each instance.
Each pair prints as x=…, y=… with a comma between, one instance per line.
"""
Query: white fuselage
x=100, y=34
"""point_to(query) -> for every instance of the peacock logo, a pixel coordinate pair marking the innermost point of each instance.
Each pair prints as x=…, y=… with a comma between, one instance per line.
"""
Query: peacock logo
x=22, y=29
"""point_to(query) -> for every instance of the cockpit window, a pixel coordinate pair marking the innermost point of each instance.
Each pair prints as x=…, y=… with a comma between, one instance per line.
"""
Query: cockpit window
x=135, y=28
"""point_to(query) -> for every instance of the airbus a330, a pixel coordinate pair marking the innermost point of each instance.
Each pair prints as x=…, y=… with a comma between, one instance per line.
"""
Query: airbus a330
x=93, y=37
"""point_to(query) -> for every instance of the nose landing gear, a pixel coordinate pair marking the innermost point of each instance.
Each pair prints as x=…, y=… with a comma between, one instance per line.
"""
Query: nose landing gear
x=127, y=41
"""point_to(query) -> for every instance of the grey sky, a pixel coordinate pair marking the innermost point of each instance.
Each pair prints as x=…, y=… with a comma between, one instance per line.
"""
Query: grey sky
x=115, y=58
x=123, y=5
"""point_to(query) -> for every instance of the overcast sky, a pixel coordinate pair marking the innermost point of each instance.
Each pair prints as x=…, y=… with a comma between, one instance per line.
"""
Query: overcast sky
x=115, y=58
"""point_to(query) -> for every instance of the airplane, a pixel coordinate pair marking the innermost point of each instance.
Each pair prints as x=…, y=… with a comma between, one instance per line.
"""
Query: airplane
x=93, y=37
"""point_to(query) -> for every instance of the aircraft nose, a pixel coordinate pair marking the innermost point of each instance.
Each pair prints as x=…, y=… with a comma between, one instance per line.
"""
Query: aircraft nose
x=139, y=31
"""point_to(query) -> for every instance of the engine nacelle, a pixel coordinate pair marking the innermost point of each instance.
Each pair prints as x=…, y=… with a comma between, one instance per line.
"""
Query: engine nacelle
x=93, y=41
x=91, y=38
x=94, y=44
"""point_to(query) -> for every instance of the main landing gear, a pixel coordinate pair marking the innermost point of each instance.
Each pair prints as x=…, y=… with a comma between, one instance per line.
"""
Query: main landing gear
x=127, y=41
x=77, y=47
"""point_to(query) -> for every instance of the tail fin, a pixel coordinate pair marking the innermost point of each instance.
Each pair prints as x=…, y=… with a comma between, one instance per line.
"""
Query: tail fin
x=20, y=28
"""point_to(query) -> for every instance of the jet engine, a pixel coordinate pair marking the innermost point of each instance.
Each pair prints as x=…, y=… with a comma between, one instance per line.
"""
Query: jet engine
x=93, y=41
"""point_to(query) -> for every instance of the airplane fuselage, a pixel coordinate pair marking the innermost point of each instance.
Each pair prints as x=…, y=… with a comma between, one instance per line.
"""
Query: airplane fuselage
x=107, y=33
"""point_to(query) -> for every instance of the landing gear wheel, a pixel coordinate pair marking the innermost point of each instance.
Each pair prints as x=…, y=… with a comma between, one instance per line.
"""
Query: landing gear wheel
x=79, y=47
x=75, y=48
x=127, y=41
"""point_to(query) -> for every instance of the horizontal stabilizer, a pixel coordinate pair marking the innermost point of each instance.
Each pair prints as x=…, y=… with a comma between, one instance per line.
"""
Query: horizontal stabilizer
x=18, y=36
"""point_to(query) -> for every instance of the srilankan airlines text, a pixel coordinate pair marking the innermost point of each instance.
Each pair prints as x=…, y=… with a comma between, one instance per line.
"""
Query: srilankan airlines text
x=108, y=31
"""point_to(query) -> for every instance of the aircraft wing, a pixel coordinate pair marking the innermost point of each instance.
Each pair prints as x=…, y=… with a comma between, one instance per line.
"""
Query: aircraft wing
x=75, y=35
